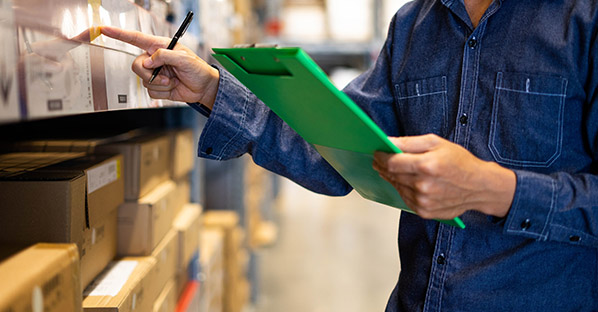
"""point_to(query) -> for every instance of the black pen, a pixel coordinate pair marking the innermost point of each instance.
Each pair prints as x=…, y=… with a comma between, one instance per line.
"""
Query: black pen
x=179, y=33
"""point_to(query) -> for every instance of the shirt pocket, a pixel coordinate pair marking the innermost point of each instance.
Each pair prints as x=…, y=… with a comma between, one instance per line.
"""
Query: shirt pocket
x=422, y=106
x=527, y=119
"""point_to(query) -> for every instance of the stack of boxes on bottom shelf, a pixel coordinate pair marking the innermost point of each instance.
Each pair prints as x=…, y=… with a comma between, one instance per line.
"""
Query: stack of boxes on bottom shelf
x=235, y=287
x=124, y=208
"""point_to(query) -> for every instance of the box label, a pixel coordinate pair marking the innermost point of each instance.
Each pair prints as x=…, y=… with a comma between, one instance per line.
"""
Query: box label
x=102, y=175
x=112, y=279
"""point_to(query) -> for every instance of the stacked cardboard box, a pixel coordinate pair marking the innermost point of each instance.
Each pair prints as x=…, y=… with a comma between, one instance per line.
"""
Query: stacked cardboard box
x=44, y=277
x=258, y=196
x=212, y=268
x=183, y=150
x=80, y=195
x=63, y=198
x=142, y=224
x=187, y=226
x=156, y=219
x=167, y=300
x=236, y=292
x=145, y=218
x=146, y=161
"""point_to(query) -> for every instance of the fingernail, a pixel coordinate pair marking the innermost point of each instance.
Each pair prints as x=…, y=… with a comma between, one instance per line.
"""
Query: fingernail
x=164, y=81
x=148, y=62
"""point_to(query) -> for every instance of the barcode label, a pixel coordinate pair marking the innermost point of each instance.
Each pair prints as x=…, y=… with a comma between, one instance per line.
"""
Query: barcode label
x=102, y=175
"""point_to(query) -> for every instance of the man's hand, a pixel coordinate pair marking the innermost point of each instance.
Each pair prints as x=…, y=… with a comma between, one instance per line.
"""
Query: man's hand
x=185, y=76
x=438, y=179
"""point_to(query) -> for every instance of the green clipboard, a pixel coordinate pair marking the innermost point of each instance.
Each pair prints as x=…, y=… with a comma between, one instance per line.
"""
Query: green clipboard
x=300, y=93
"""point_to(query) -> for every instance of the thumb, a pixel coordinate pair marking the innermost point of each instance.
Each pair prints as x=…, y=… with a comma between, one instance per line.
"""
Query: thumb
x=417, y=144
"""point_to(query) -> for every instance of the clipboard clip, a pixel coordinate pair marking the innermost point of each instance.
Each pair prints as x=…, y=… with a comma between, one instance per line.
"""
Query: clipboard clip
x=256, y=45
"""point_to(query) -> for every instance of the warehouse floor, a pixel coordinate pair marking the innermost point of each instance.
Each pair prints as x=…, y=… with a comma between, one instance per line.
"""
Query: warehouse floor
x=332, y=254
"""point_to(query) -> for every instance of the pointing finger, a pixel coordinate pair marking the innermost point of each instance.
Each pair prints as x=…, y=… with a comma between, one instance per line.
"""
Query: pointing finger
x=136, y=38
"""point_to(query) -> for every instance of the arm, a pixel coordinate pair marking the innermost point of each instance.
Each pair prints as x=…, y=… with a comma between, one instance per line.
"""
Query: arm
x=239, y=122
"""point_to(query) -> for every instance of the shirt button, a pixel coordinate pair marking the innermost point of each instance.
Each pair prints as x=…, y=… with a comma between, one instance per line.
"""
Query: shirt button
x=526, y=224
x=472, y=43
x=463, y=119
x=574, y=238
x=441, y=259
x=209, y=150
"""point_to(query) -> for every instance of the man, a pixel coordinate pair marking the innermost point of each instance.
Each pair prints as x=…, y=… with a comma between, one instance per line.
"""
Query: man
x=494, y=104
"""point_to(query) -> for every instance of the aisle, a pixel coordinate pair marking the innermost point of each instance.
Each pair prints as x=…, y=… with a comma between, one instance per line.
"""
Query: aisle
x=333, y=254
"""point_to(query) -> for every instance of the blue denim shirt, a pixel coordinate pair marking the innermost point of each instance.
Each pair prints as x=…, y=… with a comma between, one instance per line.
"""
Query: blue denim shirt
x=521, y=90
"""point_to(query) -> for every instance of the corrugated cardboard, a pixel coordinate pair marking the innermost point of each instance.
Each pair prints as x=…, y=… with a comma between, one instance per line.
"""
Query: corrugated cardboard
x=44, y=277
x=228, y=221
x=124, y=286
x=187, y=224
x=166, y=255
x=73, y=201
x=183, y=153
x=212, y=264
x=143, y=224
x=167, y=300
x=183, y=194
x=146, y=163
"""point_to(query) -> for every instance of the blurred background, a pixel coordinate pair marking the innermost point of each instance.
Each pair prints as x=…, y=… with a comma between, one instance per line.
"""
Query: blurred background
x=263, y=243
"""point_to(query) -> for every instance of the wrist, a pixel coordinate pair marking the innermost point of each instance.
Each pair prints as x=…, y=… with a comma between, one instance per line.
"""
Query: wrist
x=208, y=96
x=501, y=183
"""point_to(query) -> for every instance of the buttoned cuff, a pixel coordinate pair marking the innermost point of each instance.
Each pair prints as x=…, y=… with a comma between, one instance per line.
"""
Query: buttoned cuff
x=533, y=205
x=222, y=137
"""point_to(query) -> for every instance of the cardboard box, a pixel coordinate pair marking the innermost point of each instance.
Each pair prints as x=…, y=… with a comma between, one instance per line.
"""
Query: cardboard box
x=184, y=152
x=9, y=104
x=143, y=224
x=183, y=194
x=187, y=225
x=71, y=201
x=167, y=300
x=44, y=277
x=212, y=264
x=146, y=163
x=124, y=286
x=227, y=222
x=166, y=255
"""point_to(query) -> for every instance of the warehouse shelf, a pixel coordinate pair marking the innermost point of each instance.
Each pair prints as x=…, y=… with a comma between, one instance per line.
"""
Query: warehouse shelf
x=55, y=63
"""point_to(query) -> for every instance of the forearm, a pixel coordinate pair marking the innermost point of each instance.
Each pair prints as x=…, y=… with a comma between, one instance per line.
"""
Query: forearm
x=239, y=123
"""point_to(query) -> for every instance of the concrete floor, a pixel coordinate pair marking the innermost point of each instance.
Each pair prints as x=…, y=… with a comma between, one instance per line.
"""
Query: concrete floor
x=332, y=254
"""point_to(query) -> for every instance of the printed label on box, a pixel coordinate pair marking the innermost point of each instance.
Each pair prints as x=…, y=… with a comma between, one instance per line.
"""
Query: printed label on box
x=102, y=175
x=57, y=74
x=112, y=279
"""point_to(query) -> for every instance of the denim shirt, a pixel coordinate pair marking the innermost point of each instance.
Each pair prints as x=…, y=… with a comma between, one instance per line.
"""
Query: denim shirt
x=520, y=89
